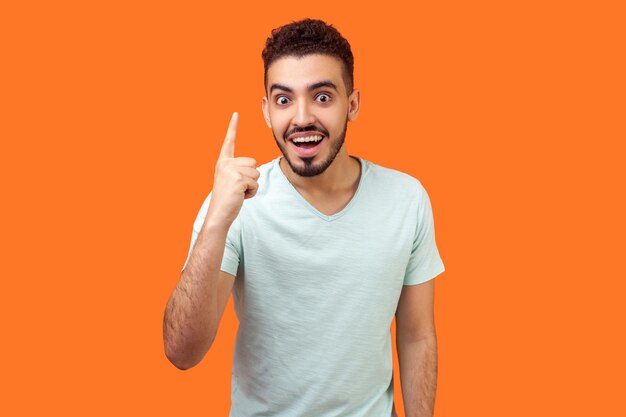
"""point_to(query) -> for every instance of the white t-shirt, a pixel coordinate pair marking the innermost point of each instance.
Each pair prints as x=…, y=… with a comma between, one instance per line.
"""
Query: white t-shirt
x=315, y=295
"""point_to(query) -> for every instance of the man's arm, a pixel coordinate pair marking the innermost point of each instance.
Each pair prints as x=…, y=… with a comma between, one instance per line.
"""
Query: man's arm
x=416, y=342
x=195, y=307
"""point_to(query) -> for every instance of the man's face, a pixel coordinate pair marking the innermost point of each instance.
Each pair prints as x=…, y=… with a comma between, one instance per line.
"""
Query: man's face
x=308, y=108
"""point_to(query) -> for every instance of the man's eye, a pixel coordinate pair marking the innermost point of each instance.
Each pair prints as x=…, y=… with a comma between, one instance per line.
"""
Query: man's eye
x=282, y=100
x=323, y=98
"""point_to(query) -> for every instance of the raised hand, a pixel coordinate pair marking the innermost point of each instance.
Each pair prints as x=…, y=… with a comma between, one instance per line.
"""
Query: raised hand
x=235, y=179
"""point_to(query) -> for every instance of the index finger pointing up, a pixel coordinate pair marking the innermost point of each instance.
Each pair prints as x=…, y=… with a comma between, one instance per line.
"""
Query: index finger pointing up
x=228, y=147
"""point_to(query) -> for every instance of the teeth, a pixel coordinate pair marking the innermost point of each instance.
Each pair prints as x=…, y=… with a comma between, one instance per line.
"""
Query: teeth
x=308, y=139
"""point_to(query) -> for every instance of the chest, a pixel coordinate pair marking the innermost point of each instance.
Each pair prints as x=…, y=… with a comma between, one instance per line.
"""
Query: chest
x=355, y=263
x=328, y=204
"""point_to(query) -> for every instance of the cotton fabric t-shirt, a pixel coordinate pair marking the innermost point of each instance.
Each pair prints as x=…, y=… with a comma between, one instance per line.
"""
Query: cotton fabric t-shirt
x=315, y=294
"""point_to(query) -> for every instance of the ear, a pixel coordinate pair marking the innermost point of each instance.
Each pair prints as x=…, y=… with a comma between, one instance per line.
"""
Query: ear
x=266, y=112
x=354, y=104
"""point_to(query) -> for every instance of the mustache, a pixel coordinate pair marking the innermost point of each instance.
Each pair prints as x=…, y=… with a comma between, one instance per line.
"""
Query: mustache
x=311, y=128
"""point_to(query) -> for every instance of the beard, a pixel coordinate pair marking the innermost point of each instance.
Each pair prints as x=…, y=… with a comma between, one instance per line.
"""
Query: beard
x=309, y=169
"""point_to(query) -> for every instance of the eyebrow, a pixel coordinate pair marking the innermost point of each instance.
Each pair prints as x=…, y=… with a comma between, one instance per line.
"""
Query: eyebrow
x=315, y=86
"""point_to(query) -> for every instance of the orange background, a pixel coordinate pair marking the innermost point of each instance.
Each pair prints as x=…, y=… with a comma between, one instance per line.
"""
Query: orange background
x=510, y=113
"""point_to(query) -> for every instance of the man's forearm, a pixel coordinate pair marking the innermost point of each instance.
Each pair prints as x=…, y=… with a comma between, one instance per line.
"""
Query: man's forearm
x=190, y=320
x=418, y=375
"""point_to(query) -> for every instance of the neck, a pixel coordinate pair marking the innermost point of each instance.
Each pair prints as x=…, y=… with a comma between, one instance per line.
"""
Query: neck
x=341, y=175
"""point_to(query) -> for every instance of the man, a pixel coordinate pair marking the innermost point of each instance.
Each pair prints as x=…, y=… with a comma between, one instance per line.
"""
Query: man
x=320, y=250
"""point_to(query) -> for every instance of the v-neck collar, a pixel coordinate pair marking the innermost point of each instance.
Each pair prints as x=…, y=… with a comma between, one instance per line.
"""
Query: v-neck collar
x=315, y=211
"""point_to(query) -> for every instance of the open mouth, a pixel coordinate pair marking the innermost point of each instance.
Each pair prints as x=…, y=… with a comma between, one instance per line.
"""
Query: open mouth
x=307, y=142
x=307, y=146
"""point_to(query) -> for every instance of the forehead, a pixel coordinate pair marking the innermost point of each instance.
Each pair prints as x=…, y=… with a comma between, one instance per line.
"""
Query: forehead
x=299, y=72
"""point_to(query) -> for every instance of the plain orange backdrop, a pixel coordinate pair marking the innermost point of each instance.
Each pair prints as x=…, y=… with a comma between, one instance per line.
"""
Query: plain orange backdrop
x=510, y=113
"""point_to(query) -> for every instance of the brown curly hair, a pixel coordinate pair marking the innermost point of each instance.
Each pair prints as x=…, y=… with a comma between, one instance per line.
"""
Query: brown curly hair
x=307, y=37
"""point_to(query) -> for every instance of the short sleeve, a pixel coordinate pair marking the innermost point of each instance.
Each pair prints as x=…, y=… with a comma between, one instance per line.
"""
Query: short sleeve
x=424, y=262
x=232, y=249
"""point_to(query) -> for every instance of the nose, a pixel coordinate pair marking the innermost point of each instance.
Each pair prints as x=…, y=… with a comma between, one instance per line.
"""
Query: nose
x=304, y=116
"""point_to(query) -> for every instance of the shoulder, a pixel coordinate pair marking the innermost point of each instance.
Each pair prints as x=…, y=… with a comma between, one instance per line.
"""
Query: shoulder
x=269, y=181
x=393, y=181
x=266, y=168
x=267, y=171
